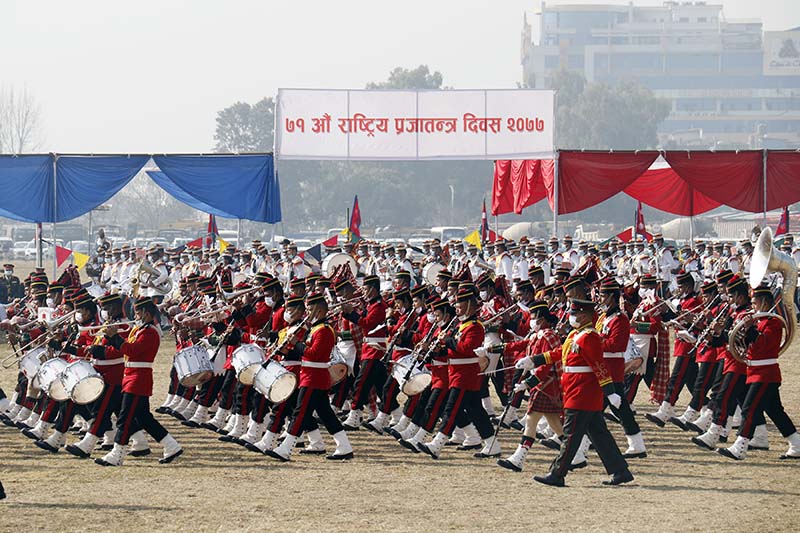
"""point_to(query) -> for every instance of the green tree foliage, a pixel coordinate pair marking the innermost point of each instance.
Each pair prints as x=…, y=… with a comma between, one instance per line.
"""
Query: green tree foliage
x=242, y=127
x=403, y=78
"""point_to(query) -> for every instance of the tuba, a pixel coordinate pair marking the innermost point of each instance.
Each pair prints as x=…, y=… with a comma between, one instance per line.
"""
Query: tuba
x=766, y=258
x=146, y=275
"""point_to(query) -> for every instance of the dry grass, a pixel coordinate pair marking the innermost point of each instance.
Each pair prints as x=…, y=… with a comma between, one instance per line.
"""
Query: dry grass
x=219, y=486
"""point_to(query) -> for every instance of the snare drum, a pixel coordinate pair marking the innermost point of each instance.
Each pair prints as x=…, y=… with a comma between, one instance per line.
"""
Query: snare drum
x=274, y=382
x=31, y=362
x=246, y=360
x=50, y=379
x=193, y=366
x=82, y=382
x=338, y=366
x=419, y=379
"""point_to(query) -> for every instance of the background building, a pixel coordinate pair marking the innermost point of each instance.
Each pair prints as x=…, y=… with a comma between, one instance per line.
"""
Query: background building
x=730, y=83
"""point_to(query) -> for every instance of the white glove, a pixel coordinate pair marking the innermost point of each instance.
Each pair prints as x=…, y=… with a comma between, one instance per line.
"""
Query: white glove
x=615, y=400
x=526, y=363
x=481, y=352
x=520, y=387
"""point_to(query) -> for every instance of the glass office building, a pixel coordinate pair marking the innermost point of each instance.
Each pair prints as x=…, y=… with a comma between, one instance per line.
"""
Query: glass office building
x=730, y=83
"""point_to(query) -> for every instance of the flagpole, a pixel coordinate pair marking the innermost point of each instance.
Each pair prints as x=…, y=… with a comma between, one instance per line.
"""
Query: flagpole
x=347, y=223
x=764, y=180
x=555, y=194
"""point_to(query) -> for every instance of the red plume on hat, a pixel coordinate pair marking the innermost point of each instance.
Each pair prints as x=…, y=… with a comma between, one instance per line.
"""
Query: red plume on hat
x=463, y=274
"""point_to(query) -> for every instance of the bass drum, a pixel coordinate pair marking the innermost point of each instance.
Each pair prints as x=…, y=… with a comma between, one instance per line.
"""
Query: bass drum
x=430, y=271
x=338, y=367
x=274, y=382
x=337, y=259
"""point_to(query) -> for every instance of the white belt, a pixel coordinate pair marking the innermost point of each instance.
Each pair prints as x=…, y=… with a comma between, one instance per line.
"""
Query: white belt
x=614, y=355
x=438, y=363
x=376, y=340
x=761, y=362
x=577, y=369
x=314, y=364
x=290, y=363
x=466, y=361
x=108, y=362
x=138, y=364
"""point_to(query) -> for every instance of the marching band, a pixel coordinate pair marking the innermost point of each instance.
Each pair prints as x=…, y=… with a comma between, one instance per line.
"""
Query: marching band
x=408, y=344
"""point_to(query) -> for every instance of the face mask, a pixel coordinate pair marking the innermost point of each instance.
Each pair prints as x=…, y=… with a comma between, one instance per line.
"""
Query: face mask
x=534, y=325
x=723, y=297
x=269, y=300
x=483, y=295
x=104, y=315
x=431, y=318
x=573, y=321
x=9, y=272
x=362, y=253
x=288, y=316
x=462, y=318
x=79, y=317
x=439, y=290
x=50, y=302
x=184, y=260
x=418, y=310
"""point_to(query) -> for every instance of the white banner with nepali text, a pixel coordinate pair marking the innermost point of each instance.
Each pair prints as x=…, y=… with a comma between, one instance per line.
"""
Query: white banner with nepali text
x=414, y=125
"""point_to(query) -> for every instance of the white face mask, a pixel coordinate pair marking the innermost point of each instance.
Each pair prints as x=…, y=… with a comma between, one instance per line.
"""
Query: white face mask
x=269, y=301
x=288, y=316
x=79, y=317
x=418, y=310
x=534, y=325
x=483, y=295
x=439, y=290
x=104, y=315
x=431, y=318
x=9, y=272
x=50, y=302
x=573, y=321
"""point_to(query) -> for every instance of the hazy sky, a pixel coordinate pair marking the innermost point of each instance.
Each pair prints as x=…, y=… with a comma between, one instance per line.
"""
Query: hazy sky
x=150, y=75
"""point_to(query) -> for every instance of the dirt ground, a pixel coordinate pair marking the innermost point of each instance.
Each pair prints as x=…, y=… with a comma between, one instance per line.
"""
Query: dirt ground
x=217, y=486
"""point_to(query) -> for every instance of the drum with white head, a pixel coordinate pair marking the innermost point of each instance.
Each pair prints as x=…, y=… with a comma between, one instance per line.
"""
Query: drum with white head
x=338, y=366
x=82, y=382
x=430, y=272
x=50, y=379
x=337, y=259
x=418, y=380
x=247, y=360
x=193, y=366
x=274, y=382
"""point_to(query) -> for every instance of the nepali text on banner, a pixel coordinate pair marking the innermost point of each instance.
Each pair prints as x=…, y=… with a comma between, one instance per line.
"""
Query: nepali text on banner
x=414, y=125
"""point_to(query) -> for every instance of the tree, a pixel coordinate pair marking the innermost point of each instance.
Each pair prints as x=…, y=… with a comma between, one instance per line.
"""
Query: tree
x=20, y=121
x=403, y=78
x=596, y=116
x=242, y=127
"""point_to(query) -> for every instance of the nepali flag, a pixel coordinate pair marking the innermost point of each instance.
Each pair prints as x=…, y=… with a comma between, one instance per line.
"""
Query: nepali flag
x=354, y=228
x=211, y=230
x=641, y=228
x=783, y=225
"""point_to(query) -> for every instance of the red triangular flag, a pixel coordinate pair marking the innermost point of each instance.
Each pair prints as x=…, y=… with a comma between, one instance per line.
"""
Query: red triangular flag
x=626, y=235
x=62, y=254
x=783, y=225
x=333, y=241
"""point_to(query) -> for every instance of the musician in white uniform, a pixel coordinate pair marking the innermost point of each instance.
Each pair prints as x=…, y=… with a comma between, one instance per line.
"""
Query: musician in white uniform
x=504, y=265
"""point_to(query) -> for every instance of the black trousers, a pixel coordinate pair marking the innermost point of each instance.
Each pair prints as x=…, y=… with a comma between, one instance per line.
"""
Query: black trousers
x=416, y=404
x=684, y=373
x=576, y=425
x=281, y=411
x=764, y=398
x=310, y=401
x=227, y=390
x=517, y=397
x=498, y=380
x=173, y=381
x=101, y=409
x=633, y=380
x=373, y=375
x=135, y=415
x=730, y=393
x=623, y=412
x=389, y=396
x=702, y=383
x=241, y=398
x=259, y=406
x=434, y=408
x=207, y=393
x=463, y=407
x=66, y=412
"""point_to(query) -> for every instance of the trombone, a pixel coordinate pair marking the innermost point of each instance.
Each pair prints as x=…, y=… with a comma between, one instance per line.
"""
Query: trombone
x=38, y=341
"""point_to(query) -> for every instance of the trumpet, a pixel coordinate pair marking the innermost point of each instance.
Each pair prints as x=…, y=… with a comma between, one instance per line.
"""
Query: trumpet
x=99, y=327
x=228, y=296
x=497, y=316
x=336, y=307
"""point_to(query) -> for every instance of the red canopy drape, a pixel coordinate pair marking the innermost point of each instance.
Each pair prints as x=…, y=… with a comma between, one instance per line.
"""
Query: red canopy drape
x=519, y=184
x=588, y=178
x=730, y=178
x=663, y=189
x=783, y=179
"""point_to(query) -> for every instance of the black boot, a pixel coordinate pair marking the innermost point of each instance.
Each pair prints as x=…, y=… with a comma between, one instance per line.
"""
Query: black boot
x=550, y=479
x=618, y=478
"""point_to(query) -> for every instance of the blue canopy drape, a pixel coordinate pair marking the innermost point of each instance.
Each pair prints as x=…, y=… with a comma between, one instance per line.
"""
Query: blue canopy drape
x=244, y=186
x=232, y=186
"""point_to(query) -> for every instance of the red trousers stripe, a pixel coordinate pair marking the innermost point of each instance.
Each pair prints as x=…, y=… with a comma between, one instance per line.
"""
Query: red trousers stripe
x=453, y=414
x=98, y=418
x=296, y=427
x=747, y=423
x=435, y=411
x=126, y=424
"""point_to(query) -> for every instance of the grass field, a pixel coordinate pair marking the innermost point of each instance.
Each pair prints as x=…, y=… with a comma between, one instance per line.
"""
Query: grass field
x=217, y=486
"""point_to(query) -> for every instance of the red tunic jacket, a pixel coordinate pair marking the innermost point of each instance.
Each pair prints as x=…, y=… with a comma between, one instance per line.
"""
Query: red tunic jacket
x=373, y=326
x=463, y=363
x=314, y=373
x=584, y=370
x=615, y=330
x=687, y=303
x=140, y=351
x=762, y=356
